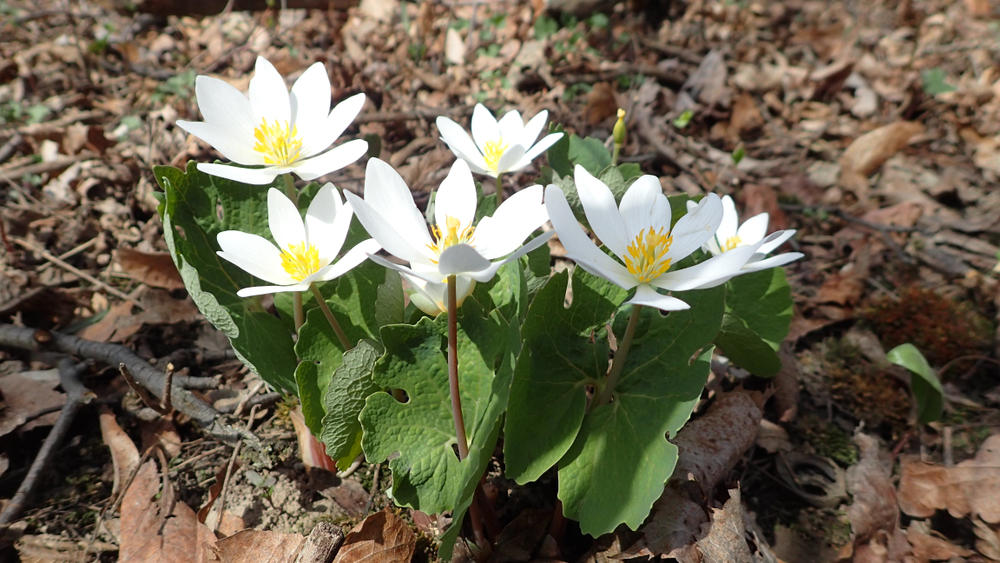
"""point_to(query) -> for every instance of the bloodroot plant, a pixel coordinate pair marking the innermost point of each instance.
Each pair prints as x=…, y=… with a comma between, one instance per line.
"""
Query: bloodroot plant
x=425, y=353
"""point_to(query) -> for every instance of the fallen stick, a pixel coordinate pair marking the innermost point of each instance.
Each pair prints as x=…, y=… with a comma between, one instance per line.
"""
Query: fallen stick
x=114, y=354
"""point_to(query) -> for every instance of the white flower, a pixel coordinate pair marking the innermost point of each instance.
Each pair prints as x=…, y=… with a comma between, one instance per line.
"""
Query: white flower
x=495, y=146
x=454, y=245
x=304, y=250
x=282, y=131
x=638, y=232
x=732, y=235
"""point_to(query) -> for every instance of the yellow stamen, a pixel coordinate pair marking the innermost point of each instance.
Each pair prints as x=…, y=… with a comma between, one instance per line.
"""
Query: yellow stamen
x=492, y=153
x=731, y=243
x=645, y=257
x=451, y=236
x=280, y=145
x=300, y=260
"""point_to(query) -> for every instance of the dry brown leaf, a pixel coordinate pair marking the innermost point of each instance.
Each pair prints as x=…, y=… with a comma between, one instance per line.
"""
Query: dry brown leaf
x=930, y=548
x=26, y=394
x=602, y=103
x=149, y=535
x=124, y=454
x=873, y=508
x=868, y=152
x=987, y=539
x=155, y=269
x=725, y=539
x=971, y=487
x=259, y=546
x=382, y=537
x=161, y=432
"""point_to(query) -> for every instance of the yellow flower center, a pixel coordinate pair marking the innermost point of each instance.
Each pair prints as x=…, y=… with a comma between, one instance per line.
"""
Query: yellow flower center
x=300, y=260
x=645, y=257
x=451, y=236
x=492, y=153
x=280, y=145
x=731, y=243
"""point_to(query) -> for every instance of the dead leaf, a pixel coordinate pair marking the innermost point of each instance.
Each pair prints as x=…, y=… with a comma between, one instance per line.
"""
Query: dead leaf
x=931, y=548
x=259, y=546
x=602, y=103
x=155, y=269
x=725, y=539
x=124, y=455
x=382, y=537
x=971, y=487
x=161, y=432
x=26, y=394
x=707, y=84
x=868, y=152
x=873, y=508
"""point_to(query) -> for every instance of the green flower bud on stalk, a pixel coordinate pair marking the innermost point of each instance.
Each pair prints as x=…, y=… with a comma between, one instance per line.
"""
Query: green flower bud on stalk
x=618, y=134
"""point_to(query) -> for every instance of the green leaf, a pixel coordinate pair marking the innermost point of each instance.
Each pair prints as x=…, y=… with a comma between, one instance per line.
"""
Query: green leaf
x=926, y=386
x=345, y=396
x=427, y=473
x=935, y=82
x=621, y=459
x=682, y=120
x=564, y=350
x=195, y=208
x=758, y=314
x=571, y=150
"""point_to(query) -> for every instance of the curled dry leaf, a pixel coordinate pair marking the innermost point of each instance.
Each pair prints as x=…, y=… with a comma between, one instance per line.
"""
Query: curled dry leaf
x=868, y=152
x=155, y=269
x=25, y=394
x=932, y=548
x=873, y=513
x=259, y=546
x=971, y=487
x=725, y=540
x=381, y=538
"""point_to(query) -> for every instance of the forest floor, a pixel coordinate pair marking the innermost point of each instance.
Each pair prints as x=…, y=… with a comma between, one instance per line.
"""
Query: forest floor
x=873, y=128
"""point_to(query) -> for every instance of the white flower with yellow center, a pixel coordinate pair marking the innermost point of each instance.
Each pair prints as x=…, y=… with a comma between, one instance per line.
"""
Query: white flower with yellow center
x=495, y=146
x=638, y=232
x=305, y=250
x=454, y=244
x=280, y=131
x=731, y=235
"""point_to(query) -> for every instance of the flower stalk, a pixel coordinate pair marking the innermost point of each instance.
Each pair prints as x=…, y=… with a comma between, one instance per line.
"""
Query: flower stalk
x=499, y=189
x=618, y=364
x=297, y=311
x=329, y=317
x=456, y=399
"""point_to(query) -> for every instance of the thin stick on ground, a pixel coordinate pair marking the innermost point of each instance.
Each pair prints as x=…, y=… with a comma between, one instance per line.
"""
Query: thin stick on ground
x=76, y=396
x=221, y=501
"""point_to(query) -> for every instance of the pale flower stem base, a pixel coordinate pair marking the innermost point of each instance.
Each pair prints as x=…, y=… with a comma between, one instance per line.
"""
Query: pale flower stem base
x=475, y=516
x=456, y=398
x=299, y=315
x=330, y=318
x=499, y=189
x=618, y=364
x=615, y=152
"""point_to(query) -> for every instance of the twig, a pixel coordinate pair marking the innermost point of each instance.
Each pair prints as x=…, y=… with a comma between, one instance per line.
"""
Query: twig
x=76, y=271
x=114, y=354
x=17, y=172
x=10, y=146
x=351, y=468
x=69, y=253
x=76, y=396
x=371, y=494
x=163, y=407
x=243, y=402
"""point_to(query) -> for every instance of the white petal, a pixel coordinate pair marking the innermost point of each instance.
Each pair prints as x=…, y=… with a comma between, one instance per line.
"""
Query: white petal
x=578, y=245
x=512, y=128
x=233, y=144
x=541, y=146
x=222, y=105
x=488, y=273
x=383, y=230
x=772, y=262
x=533, y=128
x=340, y=119
x=516, y=218
x=332, y=160
x=310, y=103
x=284, y=220
x=753, y=229
x=601, y=209
x=387, y=194
x=255, y=176
x=456, y=198
x=643, y=206
x=327, y=221
x=351, y=258
x=511, y=159
x=430, y=297
x=730, y=220
x=461, y=259
x=265, y=289
x=268, y=95
x=484, y=127
x=253, y=254
x=711, y=272
x=774, y=240
x=645, y=295
x=696, y=227
x=460, y=143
